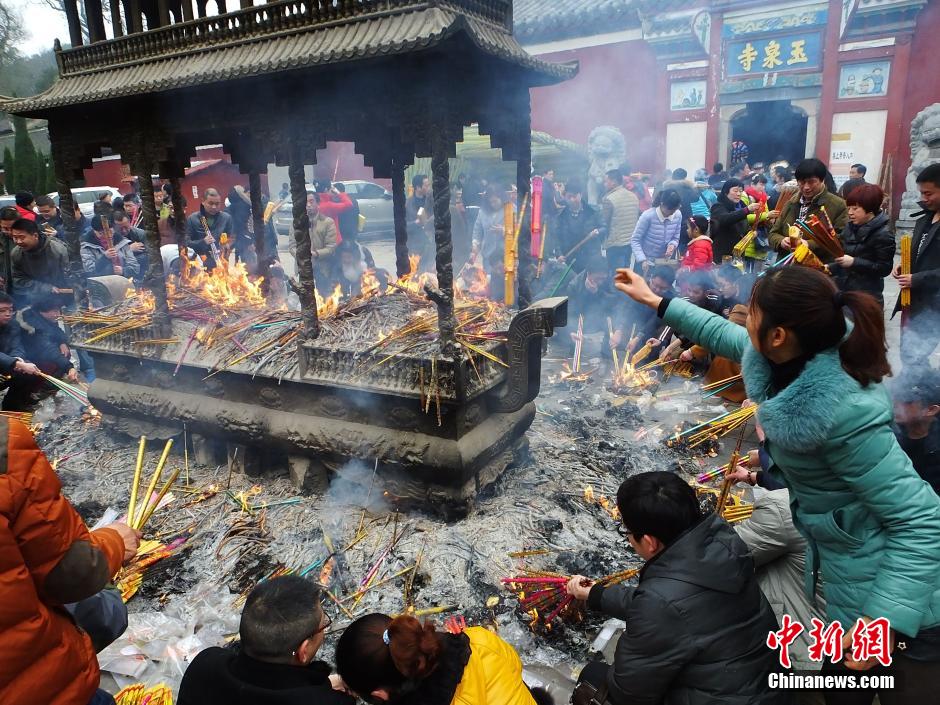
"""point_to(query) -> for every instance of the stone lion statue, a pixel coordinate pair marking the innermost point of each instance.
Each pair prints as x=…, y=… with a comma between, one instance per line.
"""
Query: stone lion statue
x=607, y=149
x=925, y=150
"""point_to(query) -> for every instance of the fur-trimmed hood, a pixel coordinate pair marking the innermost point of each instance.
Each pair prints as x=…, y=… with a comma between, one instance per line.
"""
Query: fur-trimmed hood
x=802, y=415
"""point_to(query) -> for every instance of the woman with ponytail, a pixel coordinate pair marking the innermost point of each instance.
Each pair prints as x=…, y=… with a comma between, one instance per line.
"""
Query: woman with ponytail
x=385, y=660
x=813, y=358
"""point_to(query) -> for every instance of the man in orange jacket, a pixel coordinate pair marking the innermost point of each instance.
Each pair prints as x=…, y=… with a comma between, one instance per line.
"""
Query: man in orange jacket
x=48, y=558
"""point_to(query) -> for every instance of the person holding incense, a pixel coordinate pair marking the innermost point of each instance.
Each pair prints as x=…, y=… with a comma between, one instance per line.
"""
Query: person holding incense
x=579, y=230
x=205, y=227
x=282, y=629
x=107, y=250
x=400, y=660
x=591, y=296
x=921, y=334
x=697, y=622
x=48, y=558
x=488, y=229
x=46, y=344
x=872, y=524
x=868, y=244
x=40, y=264
x=814, y=199
x=729, y=218
x=657, y=233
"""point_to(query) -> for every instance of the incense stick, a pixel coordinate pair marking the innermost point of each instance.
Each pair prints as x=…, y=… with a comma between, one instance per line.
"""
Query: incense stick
x=132, y=508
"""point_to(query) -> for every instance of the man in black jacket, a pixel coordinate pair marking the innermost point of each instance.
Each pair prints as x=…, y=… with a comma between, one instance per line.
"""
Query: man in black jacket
x=916, y=408
x=40, y=264
x=18, y=375
x=921, y=334
x=204, y=228
x=282, y=628
x=579, y=232
x=697, y=623
x=45, y=343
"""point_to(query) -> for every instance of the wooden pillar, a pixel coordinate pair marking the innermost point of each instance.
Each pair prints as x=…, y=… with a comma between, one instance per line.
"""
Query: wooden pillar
x=135, y=21
x=154, y=279
x=306, y=285
x=95, y=17
x=526, y=268
x=75, y=23
x=398, y=212
x=116, y=27
x=712, y=87
x=67, y=210
x=163, y=13
x=187, y=10
x=257, y=217
x=444, y=260
x=179, y=212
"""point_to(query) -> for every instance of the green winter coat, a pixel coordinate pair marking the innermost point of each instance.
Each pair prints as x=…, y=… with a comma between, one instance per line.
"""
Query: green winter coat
x=872, y=525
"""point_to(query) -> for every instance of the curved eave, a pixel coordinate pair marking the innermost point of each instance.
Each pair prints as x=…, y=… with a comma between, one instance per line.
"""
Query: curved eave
x=369, y=39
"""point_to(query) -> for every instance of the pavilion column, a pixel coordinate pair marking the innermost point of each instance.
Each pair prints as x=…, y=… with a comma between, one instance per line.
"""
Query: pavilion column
x=116, y=26
x=75, y=23
x=76, y=274
x=398, y=211
x=306, y=285
x=523, y=186
x=154, y=279
x=95, y=17
x=135, y=21
x=179, y=213
x=257, y=217
x=187, y=10
x=163, y=13
x=444, y=261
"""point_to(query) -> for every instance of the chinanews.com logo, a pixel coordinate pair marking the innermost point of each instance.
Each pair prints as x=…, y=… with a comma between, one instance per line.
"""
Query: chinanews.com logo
x=870, y=640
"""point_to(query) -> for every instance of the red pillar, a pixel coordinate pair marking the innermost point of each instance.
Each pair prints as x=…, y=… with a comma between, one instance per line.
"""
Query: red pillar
x=830, y=81
x=896, y=132
x=712, y=86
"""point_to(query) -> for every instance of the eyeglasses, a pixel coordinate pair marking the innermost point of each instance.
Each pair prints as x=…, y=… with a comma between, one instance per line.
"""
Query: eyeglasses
x=325, y=624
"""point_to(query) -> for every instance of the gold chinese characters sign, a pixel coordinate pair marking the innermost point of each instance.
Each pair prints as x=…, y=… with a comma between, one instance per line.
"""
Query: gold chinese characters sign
x=773, y=55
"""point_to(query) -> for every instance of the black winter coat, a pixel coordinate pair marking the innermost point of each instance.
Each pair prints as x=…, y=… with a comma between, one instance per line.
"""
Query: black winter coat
x=728, y=225
x=697, y=626
x=11, y=347
x=872, y=247
x=224, y=677
x=42, y=340
x=571, y=228
x=925, y=289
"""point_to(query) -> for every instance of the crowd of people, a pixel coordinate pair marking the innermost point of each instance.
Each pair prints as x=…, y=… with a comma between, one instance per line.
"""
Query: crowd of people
x=846, y=523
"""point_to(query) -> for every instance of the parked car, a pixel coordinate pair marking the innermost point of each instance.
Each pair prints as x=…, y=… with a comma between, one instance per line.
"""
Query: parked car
x=375, y=204
x=7, y=201
x=86, y=197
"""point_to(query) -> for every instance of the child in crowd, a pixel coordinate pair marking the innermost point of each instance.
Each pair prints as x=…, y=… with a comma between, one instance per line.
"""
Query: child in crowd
x=699, y=254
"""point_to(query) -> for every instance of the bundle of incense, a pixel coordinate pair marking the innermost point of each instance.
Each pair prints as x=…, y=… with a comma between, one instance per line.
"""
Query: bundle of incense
x=738, y=513
x=215, y=250
x=641, y=354
x=25, y=417
x=823, y=234
x=713, y=428
x=726, y=485
x=721, y=382
x=544, y=237
x=804, y=256
x=785, y=197
x=70, y=391
x=905, y=269
x=613, y=349
x=509, y=252
x=712, y=474
x=578, y=345
x=137, y=517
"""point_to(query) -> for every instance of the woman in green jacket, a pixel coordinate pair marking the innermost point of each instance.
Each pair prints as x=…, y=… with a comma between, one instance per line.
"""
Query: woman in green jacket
x=872, y=525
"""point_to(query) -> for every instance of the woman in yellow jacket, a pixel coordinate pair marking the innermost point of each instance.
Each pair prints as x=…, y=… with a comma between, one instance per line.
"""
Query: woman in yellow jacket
x=385, y=660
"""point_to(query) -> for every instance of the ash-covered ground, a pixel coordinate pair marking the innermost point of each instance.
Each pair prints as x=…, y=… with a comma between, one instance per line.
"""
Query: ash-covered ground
x=583, y=435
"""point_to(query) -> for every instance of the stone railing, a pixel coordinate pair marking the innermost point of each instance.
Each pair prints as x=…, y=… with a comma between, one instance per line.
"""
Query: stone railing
x=284, y=16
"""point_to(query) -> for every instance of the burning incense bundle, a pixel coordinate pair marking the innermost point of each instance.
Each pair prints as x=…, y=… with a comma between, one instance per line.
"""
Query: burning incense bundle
x=905, y=269
x=578, y=346
x=641, y=354
x=544, y=597
x=613, y=348
x=713, y=474
x=713, y=428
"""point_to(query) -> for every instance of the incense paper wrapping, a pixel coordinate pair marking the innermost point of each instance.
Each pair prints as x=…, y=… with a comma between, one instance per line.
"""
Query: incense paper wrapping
x=509, y=250
x=535, y=248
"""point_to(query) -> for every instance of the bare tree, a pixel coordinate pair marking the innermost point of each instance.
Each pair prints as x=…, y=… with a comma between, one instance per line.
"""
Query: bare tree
x=11, y=33
x=59, y=6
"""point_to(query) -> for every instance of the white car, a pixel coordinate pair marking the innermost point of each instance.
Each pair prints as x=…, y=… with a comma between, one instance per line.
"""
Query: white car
x=375, y=203
x=86, y=197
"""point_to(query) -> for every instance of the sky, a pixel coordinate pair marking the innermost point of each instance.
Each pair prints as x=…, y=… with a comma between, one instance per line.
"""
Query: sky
x=41, y=24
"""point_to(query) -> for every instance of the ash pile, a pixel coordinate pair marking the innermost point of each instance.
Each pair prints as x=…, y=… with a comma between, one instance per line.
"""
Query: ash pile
x=219, y=532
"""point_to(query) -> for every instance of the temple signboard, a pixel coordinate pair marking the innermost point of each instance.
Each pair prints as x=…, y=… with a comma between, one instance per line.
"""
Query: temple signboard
x=771, y=43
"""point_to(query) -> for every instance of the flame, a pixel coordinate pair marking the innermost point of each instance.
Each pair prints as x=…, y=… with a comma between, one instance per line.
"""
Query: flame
x=225, y=285
x=588, y=494
x=370, y=284
x=330, y=305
